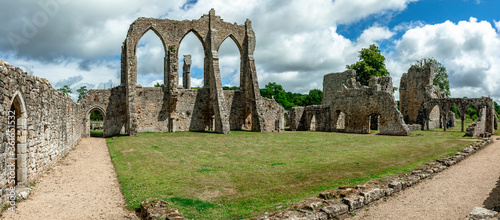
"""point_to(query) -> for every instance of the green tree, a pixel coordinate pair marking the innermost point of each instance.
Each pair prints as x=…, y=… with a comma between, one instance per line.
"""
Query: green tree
x=371, y=63
x=472, y=113
x=81, y=92
x=96, y=116
x=440, y=74
x=275, y=90
x=158, y=85
x=497, y=108
x=65, y=90
x=313, y=98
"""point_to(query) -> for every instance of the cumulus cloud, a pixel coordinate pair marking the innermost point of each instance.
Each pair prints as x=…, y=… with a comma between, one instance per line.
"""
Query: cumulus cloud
x=297, y=41
x=468, y=49
x=374, y=34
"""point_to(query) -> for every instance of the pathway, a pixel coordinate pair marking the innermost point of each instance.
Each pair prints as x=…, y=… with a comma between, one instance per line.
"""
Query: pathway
x=81, y=186
x=451, y=194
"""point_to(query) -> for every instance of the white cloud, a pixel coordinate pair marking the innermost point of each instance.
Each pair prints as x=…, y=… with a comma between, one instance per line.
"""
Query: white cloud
x=497, y=25
x=374, y=34
x=468, y=49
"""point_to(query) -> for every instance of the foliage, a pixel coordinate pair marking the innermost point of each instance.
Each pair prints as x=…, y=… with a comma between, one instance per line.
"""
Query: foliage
x=65, y=90
x=371, y=63
x=313, y=98
x=289, y=99
x=241, y=185
x=472, y=112
x=158, y=85
x=81, y=92
x=497, y=108
x=96, y=116
x=440, y=74
x=230, y=88
x=454, y=109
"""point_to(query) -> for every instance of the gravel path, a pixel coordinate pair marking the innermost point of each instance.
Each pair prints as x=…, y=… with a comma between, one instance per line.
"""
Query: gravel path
x=81, y=186
x=451, y=194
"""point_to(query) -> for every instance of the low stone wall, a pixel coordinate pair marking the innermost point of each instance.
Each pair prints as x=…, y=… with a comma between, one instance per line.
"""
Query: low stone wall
x=338, y=203
x=47, y=124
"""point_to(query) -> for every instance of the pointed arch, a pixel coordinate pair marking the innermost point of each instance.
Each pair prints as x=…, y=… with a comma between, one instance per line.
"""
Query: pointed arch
x=150, y=28
x=236, y=74
x=195, y=34
x=18, y=116
x=231, y=36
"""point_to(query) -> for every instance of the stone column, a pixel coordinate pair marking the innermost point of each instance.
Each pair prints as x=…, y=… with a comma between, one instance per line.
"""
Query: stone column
x=186, y=72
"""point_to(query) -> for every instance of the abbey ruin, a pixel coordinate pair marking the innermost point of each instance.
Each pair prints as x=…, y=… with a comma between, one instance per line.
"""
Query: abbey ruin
x=349, y=107
x=40, y=125
x=48, y=124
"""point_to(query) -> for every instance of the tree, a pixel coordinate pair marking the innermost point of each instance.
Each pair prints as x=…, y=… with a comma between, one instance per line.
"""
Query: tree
x=275, y=90
x=313, y=98
x=81, y=92
x=65, y=90
x=158, y=85
x=497, y=108
x=371, y=63
x=440, y=74
x=96, y=116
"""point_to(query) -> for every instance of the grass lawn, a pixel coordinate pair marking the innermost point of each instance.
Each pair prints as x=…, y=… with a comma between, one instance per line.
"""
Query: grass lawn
x=244, y=174
x=96, y=133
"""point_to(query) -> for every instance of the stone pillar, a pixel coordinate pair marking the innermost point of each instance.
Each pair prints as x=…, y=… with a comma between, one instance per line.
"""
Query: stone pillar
x=215, y=83
x=186, y=72
x=172, y=92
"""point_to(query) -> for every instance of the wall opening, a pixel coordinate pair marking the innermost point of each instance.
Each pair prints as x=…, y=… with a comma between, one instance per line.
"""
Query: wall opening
x=374, y=122
x=435, y=118
x=339, y=120
x=229, y=64
x=150, y=54
x=95, y=122
x=191, y=45
x=17, y=171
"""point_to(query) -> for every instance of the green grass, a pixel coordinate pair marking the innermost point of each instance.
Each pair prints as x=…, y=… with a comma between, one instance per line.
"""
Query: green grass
x=96, y=133
x=244, y=174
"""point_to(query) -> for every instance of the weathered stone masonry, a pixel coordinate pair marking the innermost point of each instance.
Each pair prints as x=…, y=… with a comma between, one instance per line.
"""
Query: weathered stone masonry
x=422, y=103
x=173, y=108
x=349, y=107
x=48, y=125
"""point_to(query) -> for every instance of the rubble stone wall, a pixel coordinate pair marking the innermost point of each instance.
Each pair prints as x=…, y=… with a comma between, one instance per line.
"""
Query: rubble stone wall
x=348, y=107
x=48, y=124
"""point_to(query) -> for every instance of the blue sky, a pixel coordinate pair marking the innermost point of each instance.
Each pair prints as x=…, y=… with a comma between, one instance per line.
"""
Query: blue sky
x=298, y=41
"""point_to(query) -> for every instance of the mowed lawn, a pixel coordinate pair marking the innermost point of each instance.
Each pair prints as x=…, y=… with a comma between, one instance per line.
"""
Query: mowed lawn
x=244, y=174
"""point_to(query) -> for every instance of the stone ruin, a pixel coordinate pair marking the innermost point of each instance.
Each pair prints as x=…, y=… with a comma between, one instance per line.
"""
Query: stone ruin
x=424, y=107
x=131, y=108
x=40, y=124
x=349, y=107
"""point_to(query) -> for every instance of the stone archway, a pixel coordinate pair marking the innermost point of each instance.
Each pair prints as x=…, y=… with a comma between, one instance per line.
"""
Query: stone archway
x=87, y=119
x=17, y=149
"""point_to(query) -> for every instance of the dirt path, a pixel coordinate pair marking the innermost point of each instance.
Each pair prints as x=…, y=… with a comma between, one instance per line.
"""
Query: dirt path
x=81, y=186
x=451, y=194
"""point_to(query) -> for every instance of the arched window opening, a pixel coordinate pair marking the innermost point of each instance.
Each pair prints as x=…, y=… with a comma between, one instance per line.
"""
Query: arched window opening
x=150, y=54
x=229, y=64
x=191, y=62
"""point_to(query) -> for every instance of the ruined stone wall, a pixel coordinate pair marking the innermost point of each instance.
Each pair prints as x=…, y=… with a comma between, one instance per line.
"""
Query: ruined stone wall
x=349, y=107
x=49, y=124
x=211, y=105
x=416, y=88
x=345, y=96
x=110, y=102
x=297, y=119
